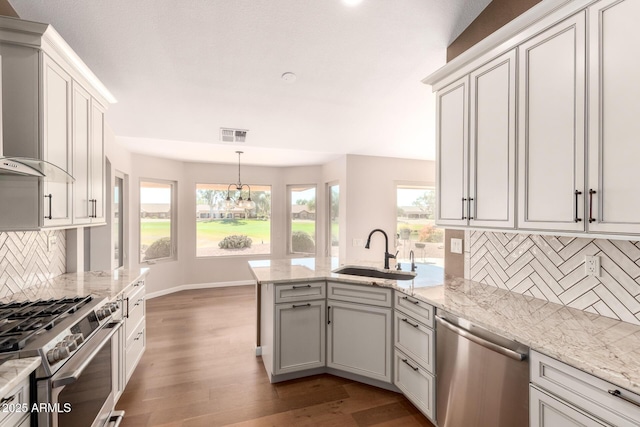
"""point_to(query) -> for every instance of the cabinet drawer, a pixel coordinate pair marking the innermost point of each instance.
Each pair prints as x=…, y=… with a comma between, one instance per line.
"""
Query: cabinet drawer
x=419, y=310
x=300, y=292
x=13, y=405
x=417, y=384
x=415, y=340
x=134, y=349
x=584, y=391
x=134, y=288
x=135, y=305
x=363, y=294
x=547, y=411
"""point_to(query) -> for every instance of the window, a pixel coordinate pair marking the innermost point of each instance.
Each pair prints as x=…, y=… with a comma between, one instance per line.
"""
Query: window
x=416, y=225
x=302, y=219
x=118, y=222
x=222, y=231
x=157, y=220
x=334, y=219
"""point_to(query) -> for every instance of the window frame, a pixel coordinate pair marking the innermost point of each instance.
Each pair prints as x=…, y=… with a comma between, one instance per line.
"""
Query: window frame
x=173, y=228
x=328, y=247
x=290, y=251
x=225, y=185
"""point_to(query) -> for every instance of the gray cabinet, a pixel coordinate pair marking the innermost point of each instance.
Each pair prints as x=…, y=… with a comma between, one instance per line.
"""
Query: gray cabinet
x=359, y=334
x=292, y=328
x=299, y=336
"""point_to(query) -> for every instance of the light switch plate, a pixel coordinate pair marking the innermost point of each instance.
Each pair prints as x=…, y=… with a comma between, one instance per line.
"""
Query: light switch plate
x=358, y=243
x=52, y=241
x=456, y=246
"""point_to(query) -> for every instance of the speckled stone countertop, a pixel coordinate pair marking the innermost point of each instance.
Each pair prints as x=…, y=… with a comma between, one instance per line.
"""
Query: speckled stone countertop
x=13, y=371
x=604, y=347
x=100, y=284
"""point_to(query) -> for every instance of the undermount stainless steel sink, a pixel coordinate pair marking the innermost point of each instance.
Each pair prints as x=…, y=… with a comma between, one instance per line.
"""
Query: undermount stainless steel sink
x=375, y=273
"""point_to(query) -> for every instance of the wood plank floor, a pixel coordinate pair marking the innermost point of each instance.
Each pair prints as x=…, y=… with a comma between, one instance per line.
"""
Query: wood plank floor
x=200, y=369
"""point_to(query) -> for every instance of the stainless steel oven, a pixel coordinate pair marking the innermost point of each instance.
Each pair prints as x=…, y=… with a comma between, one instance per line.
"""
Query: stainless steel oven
x=80, y=394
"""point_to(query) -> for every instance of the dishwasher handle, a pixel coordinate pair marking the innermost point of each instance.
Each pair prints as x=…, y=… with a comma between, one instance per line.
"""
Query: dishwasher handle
x=481, y=341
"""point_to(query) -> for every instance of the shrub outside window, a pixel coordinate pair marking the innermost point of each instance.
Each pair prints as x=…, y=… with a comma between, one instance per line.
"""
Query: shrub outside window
x=302, y=219
x=228, y=231
x=157, y=220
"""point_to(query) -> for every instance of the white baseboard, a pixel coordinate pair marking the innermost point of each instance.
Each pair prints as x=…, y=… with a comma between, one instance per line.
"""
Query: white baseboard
x=163, y=292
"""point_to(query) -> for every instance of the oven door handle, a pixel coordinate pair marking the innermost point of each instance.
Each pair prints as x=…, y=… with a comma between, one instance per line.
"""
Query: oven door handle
x=87, y=353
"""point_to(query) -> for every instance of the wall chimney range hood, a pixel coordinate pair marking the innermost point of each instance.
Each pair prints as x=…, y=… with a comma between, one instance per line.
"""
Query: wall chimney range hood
x=25, y=166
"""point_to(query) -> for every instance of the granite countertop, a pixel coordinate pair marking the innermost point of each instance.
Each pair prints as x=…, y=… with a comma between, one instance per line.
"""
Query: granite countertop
x=100, y=284
x=13, y=371
x=604, y=347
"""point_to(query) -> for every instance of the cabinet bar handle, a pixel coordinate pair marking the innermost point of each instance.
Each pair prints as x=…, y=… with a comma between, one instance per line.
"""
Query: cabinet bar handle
x=7, y=399
x=411, y=301
x=406, y=321
x=300, y=305
x=469, y=208
x=127, y=315
x=409, y=365
x=50, y=197
x=617, y=393
x=575, y=216
x=591, y=193
x=328, y=315
x=463, y=200
x=301, y=286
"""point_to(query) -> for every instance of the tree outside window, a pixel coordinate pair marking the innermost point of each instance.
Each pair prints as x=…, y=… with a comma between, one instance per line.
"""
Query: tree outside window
x=223, y=230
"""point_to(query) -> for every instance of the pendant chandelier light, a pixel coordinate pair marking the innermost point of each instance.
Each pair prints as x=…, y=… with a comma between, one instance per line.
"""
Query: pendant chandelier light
x=239, y=202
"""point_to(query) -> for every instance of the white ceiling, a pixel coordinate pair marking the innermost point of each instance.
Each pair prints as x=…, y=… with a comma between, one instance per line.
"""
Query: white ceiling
x=182, y=69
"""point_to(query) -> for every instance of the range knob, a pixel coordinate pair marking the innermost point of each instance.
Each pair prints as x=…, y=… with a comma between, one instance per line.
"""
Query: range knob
x=79, y=338
x=103, y=313
x=70, y=342
x=114, y=306
x=58, y=353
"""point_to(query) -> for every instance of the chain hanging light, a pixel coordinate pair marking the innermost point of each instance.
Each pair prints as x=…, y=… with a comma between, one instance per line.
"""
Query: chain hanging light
x=239, y=202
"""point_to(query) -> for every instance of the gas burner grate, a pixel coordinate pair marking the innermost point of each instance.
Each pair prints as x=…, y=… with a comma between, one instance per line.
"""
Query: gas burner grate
x=19, y=321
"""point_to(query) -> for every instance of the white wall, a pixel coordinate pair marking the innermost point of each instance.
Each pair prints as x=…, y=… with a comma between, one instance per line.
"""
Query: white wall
x=367, y=201
x=371, y=201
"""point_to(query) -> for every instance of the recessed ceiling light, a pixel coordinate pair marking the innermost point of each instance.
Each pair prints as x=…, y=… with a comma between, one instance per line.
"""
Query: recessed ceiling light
x=352, y=2
x=289, y=77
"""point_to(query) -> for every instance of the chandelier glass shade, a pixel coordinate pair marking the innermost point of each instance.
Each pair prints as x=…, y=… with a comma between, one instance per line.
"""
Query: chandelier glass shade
x=239, y=201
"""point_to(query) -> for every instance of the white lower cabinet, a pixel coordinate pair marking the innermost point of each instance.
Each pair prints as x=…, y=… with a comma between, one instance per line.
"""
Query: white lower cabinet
x=547, y=411
x=418, y=385
x=359, y=339
x=414, y=360
x=17, y=398
x=300, y=336
x=563, y=396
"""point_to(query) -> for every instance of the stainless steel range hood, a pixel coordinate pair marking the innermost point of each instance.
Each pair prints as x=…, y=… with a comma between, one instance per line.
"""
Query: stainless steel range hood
x=26, y=166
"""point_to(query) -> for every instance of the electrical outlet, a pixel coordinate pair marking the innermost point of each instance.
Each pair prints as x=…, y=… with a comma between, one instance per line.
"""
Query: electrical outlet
x=52, y=241
x=592, y=265
x=456, y=246
x=358, y=242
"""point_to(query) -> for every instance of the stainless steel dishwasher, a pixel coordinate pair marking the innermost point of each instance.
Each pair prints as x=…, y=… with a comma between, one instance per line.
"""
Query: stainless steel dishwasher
x=482, y=379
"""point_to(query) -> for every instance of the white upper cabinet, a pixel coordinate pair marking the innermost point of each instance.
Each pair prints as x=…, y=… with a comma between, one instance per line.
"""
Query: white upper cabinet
x=476, y=163
x=52, y=110
x=451, y=152
x=493, y=144
x=551, y=128
x=614, y=111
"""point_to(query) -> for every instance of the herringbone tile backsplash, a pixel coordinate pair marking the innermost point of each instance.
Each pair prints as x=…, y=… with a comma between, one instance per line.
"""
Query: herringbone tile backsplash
x=25, y=260
x=552, y=268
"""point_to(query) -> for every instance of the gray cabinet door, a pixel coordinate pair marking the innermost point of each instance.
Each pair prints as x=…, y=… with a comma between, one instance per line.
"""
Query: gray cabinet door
x=300, y=336
x=80, y=137
x=547, y=411
x=359, y=339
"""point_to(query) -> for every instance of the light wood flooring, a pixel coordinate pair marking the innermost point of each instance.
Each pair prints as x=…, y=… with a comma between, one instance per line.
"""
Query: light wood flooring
x=200, y=369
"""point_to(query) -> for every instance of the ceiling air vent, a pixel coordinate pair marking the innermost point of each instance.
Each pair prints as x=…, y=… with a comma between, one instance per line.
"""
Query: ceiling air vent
x=233, y=135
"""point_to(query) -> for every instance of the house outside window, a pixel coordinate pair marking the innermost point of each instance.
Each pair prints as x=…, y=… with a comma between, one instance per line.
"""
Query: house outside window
x=157, y=220
x=223, y=230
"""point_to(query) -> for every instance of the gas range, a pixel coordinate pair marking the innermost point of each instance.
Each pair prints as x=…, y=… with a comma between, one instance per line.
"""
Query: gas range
x=53, y=329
